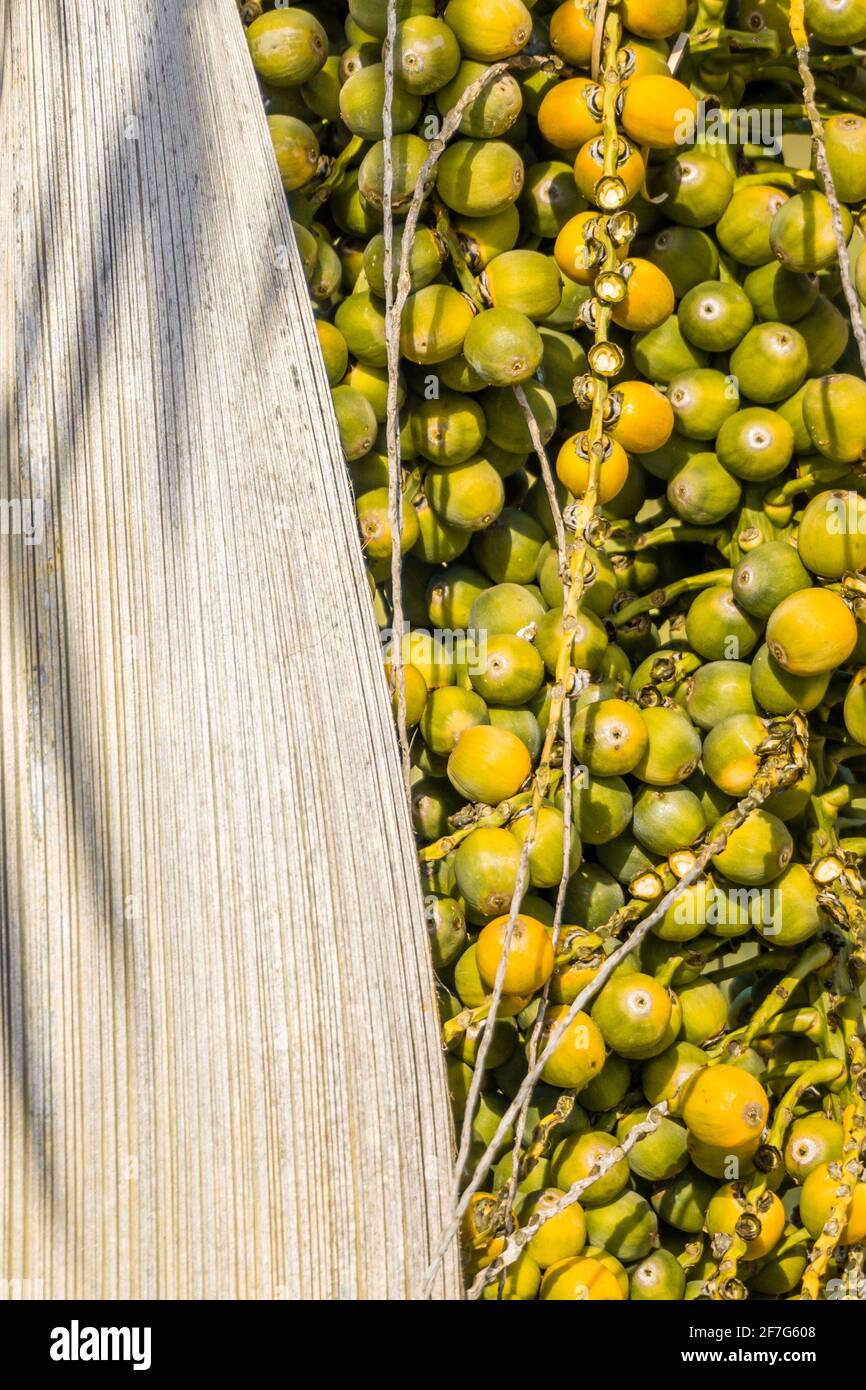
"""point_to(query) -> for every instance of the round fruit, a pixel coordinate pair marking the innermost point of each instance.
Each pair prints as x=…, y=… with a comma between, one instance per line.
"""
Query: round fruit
x=488, y=765
x=486, y=865
x=572, y=467
x=626, y=1228
x=817, y=1199
x=296, y=149
x=834, y=413
x=766, y=575
x=649, y=296
x=479, y=177
x=716, y=316
x=287, y=46
x=503, y=347
x=801, y=233
x=632, y=1012
x=755, y=444
x=719, y=685
x=770, y=362
x=779, y=692
x=724, y=1106
x=659, y=112
x=609, y=737
x=659, y=1277
x=666, y=819
x=729, y=755
x=434, y=324
x=757, y=852
x=698, y=188
x=561, y=1237
x=529, y=959
x=812, y=1140
x=811, y=632
x=499, y=30
x=645, y=420
x=579, y=1279
x=574, y=1159
x=743, y=229
x=579, y=1054
x=673, y=747
x=426, y=54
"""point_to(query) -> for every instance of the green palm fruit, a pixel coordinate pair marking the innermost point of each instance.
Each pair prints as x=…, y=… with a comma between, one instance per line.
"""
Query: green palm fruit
x=729, y=756
x=546, y=854
x=718, y=628
x=493, y=111
x=757, y=852
x=825, y=331
x=466, y=1045
x=812, y=1140
x=589, y=640
x=484, y=237
x=715, y=316
x=448, y=430
x=719, y=685
x=502, y=346
x=574, y=1158
x=663, y=1076
x=834, y=412
x=505, y=608
x=425, y=260
x=356, y=421
x=362, y=101
x=743, y=229
x=433, y=802
x=479, y=177
x=438, y=543
x=357, y=56
x=660, y=354
x=601, y=807
x=334, y=350
x=667, y=818
x=563, y=359
x=328, y=272
x=486, y=866
x=794, y=915
x=308, y=249
x=456, y=374
x=524, y=281
x=770, y=362
x=371, y=15
x=372, y=382
x=626, y=1228
x=702, y=492
x=351, y=212
x=550, y=198
x=845, y=143
x=755, y=444
x=840, y=22
x=779, y=294
x=467, y=495
x=508, y=671
x=802, y=235
x=448, y=711
x=434, y=324
x=506, y=425
x=599, y=580
x=361, y=320
x=373, y=519
x=698, y=188
x=426, y=54
x=408, y=153
x=625, y=858
x=683, y=1200
x=287, y=46
x=687, y=256
x=296, y=149
x=766, y=575
x=673, y=749
x=779, y=692
x=592, y=896
x=660, y=1277
x=451, y=594
x=607, y=1089
x=322, y=92
x=660, y=1155
x=446, y=930
x=702, y=400
x=831, y=536
x=508, y=550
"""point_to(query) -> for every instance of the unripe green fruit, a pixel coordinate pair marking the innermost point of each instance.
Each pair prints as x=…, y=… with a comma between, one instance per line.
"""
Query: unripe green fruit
x=743, y=229
x=601, y=807
x=486, y=866
x=715, y=316
x=683, y=1201
x=687, y=256
x=673, y=750
x=434, y=324
x=506, y=425
x=802, y=235
x=425, y=260
x=626, y=1228
x=362, y=101
x=662, y=353
x=446, y=930
x=702, y=400
x=408, y=153
x=770, y=362
x=661, y=1154
x=757, y=852
x=524, y=281
x=426, y=54
x=778, y=692
x=562, y=360
x=834, y=412
x=321, y=93
x=666, y=819
x=831, y=536
x=296, y=149
x=335, y=353
x=448, y=711
x=502, y=347
x=353, y=214
x=766, y=575
x=781, y=295
x=356, y=421
x=467, y=495
x=589, y=640
x=361, y=320
x=701, y=491
x=438, y=542
x=658, y=1277
x=493, y=111
x=479, y=177
x=592, y=896
x=545, y=857
x=287, y=46
x=508, y=672
x=508, y=550
x=484, y=237
x=448, y=430
x=795, y=916
x=574, y=1158
x=699, y=188
x=755, y=444
x=373, y=518
x=825, y=331
x=719, y=685
x=549, y=198
x=840, y=22
x=505, y=608
x=729, y=756
x=451, y=594
x=811, y=632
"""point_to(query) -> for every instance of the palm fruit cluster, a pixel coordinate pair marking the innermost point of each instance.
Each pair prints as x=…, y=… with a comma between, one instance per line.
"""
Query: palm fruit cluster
x=632, y=423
